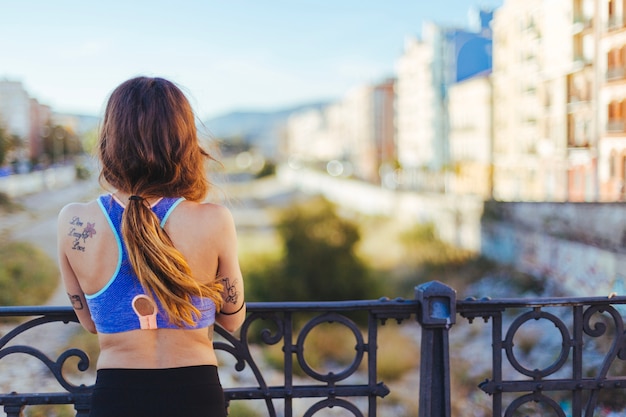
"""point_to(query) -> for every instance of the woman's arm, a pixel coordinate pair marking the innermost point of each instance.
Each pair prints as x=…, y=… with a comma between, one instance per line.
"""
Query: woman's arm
x=72, y=286
x=233, y=310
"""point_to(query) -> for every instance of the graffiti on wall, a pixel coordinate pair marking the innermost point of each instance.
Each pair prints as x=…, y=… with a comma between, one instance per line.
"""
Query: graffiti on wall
x=570, y=268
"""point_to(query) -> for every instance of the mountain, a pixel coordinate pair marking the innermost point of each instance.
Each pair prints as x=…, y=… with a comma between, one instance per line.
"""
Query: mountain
x=81, y=123
x=258, y=129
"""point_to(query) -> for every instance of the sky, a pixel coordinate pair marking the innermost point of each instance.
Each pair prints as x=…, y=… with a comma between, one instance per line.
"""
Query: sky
x=227, y=55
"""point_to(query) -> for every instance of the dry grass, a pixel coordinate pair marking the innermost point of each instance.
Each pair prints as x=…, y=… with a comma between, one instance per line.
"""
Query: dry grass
x=398, y=351
x=28, y=276
x=330, y=347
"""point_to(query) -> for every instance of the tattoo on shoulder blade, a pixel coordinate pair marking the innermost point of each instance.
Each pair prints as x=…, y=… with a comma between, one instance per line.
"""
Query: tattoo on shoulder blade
x=230, y=290
x=77, y=302
x=80, y=236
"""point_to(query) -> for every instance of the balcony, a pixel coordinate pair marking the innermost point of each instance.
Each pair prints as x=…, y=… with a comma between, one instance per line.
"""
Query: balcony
x=615, y=23
x=615, y=73
x=576, y=96
x=569, y=383
x=578, y=143
x=582, y=23
x=616, y=126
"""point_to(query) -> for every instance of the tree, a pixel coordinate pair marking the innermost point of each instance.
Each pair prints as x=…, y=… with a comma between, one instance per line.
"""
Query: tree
x=59, y=143
x=8, y=143
x=4, y=145
x=320, y=262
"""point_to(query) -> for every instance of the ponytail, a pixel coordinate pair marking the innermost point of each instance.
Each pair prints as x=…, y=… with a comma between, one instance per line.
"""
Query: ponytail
x=149, y=145
x=162, y=270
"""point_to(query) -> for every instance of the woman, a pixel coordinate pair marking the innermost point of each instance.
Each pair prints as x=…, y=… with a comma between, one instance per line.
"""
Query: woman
x=151, y=267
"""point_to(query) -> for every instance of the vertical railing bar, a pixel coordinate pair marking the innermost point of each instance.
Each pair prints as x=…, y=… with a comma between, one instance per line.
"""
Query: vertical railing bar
x=372, y=358
x=14, y=410
x=497, y=361
x=288, y=352
x=577, y=359
x=436, y=314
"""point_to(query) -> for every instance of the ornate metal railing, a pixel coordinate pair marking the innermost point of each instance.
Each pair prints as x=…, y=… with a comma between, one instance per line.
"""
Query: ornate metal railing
x=586, y=361
x=573, y=357
x=267, y=323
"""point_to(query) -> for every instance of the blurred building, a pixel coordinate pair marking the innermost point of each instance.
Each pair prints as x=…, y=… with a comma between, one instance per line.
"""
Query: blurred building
x=583, y=127
x=427, y=69
x=15, y=108
x=309, y=137
x=419, y=107
x=471, y=135
x=352, y=137
x=15, y=112
x=40, y=116
x=46, y=137
x=532, y=58
x=386, y=158
x=24, y=117
x=611, y=112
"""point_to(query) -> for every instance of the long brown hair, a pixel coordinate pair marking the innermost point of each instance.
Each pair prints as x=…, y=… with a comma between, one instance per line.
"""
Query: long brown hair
x=149, y=147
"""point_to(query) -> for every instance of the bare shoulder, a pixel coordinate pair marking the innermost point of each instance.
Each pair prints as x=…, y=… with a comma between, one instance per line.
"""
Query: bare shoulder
x=77, y=226
x=207, y=212
x=79, y=218
x=72, y=210
x=218, y=211
x=202, y=219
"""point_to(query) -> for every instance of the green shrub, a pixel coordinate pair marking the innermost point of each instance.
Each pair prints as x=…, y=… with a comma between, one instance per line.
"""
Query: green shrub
x=82, y=172
x=320, y=262
x=397, y=354
x=269, y=169
x=7, y=204
x=27, y=275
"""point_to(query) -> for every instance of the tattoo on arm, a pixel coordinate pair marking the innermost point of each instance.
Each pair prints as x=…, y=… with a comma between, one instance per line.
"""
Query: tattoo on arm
x=80, y=236
x=230, y=293
x=76, y=301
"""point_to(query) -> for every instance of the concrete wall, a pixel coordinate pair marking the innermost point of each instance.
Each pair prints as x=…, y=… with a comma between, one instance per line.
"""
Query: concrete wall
x=456, y=218
x=17, y=185
x=579, y=247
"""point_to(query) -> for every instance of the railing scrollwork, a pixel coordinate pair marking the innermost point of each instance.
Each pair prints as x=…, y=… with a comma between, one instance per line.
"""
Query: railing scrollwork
x=581, y=344
x=573, y=380
x=274, y=323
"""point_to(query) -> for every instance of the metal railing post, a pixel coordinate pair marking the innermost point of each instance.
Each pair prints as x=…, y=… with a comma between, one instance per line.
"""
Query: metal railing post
x=436, y=313
x=14, y=410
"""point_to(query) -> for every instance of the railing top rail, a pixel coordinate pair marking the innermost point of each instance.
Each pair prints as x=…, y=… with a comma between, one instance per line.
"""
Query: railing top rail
x=471, y=304
x=347, y=305
x=13, y=311
x=468, y=304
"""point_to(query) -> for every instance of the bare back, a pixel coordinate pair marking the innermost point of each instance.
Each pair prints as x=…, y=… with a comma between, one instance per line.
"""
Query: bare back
x=88, y=254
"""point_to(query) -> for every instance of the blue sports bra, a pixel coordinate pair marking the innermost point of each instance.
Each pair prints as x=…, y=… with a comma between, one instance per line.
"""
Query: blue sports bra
x=114, y=308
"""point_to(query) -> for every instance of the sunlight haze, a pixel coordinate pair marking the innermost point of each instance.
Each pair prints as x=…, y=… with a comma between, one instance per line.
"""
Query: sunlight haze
x=227, y=55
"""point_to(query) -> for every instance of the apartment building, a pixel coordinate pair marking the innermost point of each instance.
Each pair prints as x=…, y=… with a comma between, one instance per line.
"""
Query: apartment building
x=15, y=115
x=532, y=58
x=582, y=96
x=24, y=117
x=611, y=63
x=356, y=134
x=425, y=72
x=471, y=135
x=420, y=107
x=386, y=155
x=40, y=115
x=310, y=136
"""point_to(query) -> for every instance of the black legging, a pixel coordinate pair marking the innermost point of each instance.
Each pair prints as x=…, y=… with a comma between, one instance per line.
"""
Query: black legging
x=193, y=391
